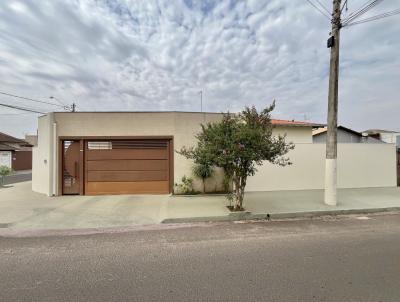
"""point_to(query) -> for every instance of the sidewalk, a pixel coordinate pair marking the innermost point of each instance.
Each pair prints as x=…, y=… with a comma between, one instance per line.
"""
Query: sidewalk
x=20, y=208
x=304, y=203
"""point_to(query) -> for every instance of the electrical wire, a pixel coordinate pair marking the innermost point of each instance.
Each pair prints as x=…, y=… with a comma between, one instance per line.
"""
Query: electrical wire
x=58, y=101
x=323, y=7
x=344, y=5
x=376, y=17
x=317, y=8
x=21, y=108
x=29, y=99
x=360, y=12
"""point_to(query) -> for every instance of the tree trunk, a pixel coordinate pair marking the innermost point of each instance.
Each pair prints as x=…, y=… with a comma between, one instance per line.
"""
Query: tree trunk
x=238, y=205
x=242, y=186
x=204, y=185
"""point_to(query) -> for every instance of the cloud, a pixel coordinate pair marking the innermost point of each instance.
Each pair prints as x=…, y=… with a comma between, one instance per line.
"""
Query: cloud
x=157, y=55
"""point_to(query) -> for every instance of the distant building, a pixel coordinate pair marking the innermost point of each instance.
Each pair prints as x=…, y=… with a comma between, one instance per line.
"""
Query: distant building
x=31, y=139
x=15, y=153
x=387, y=136
x=345, y=135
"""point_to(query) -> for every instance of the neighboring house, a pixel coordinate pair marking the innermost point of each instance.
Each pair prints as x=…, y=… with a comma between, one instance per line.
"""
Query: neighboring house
x=91, y=153
x=344, y=135
x=31, y=139
x=387, y=136
x=15, y=153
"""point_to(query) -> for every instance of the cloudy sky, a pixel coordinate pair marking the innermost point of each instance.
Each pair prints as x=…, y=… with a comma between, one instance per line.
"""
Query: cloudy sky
x=157, y=55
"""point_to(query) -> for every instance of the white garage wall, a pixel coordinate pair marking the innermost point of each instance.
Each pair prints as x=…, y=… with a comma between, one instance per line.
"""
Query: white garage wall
x=359, y=165
x=41, y=157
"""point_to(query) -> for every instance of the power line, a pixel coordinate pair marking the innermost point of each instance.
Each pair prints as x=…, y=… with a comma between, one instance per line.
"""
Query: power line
x=29, y=99
x=21, y=108
x=344, y=5
x=376, y=17
x=317, y=8
x=323, y=7
x=58, y=101
x=368, y=6
x=14, y=114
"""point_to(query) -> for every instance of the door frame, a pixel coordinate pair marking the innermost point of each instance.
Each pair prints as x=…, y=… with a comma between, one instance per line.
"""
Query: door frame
x=82, y=157
x=61, y=161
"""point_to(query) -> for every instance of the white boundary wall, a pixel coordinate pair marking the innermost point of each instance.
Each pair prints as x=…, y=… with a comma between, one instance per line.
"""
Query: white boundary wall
x=359, y=166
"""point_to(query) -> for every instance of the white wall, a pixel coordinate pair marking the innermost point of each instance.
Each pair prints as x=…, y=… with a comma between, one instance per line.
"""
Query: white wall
x=359, y=165
x=6, y=159
x=41, y=159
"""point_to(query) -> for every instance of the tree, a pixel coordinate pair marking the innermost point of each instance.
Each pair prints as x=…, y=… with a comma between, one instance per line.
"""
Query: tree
x=238, y=144
x=203, y=171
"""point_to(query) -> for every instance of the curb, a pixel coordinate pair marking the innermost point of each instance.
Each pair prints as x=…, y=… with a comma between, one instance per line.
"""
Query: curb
x=277, y=216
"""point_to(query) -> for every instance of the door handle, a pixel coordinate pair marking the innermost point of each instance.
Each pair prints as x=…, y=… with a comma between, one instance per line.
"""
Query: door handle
x=76, y=169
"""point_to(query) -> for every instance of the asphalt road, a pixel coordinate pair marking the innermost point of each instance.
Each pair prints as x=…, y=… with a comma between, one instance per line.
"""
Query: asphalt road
x=347, y=259
x=18, y=177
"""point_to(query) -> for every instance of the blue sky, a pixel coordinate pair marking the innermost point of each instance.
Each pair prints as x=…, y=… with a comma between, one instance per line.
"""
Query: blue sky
x=157, y=55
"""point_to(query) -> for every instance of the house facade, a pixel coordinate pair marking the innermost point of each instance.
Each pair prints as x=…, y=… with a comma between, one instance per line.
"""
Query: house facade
x=344, y=135
x=91, y=153
x=15, y=153
x=387, y=136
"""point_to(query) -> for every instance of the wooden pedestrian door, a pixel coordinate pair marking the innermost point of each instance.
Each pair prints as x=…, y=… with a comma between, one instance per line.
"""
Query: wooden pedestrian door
x=71, y=167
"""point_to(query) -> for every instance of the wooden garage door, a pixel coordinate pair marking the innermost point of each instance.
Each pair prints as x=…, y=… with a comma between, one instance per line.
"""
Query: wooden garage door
x=127, y=167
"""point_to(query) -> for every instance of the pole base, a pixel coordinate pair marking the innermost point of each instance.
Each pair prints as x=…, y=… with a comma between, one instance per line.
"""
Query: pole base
x=330, y=197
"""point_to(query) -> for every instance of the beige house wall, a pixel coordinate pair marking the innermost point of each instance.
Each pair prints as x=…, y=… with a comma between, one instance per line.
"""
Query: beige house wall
x=359, y=166
x=306, y=173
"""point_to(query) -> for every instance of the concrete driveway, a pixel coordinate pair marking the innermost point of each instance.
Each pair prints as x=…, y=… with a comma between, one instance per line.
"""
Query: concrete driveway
x=22, y=208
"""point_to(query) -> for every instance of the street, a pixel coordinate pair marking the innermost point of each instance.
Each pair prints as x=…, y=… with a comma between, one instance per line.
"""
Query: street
x=19, y=176
x=349, y=258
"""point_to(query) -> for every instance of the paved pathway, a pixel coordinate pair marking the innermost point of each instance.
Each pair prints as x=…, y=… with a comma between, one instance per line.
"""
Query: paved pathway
x=20, y=208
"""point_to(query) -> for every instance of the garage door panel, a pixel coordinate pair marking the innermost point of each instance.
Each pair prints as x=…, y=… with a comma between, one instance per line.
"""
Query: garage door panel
x=127, y=154
x=128, y=165
x=104, y=188
x=127, y=176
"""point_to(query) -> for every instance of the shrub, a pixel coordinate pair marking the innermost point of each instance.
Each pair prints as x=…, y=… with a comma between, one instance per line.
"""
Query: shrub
x=186, y=187
x=203, y=171
x=4, y=171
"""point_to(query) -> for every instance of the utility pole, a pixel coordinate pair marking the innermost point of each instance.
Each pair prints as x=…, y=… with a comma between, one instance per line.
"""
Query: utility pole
x=331, y=139
x=201, y=100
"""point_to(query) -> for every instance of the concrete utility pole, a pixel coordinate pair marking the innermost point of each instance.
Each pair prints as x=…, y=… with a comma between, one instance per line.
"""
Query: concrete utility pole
x=331, y=139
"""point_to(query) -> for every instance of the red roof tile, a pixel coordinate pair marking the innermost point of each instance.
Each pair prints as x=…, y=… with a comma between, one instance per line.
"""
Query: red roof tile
x=293, y=123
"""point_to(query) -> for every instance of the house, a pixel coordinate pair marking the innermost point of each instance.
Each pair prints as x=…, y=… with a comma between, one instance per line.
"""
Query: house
x=31, y=139
x=344, y=135
x=15, y=153
x=387, y=136
x=91, y=153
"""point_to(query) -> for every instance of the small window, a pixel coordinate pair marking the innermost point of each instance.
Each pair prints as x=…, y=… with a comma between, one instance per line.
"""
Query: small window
x=99, y=145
